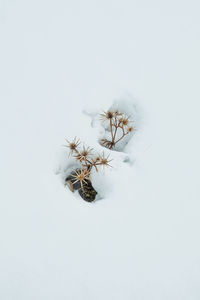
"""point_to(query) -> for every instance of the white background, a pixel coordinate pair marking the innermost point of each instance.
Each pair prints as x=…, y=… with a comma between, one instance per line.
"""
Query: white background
x=58, y=58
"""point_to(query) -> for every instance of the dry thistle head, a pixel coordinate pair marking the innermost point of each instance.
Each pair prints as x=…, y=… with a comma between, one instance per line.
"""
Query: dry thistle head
x=82, y=176
x=86, y=151
x=73, y=145
x=83, y=155
x=108, y=115
x=124, y=121
x=104, y=161
x=130, y=129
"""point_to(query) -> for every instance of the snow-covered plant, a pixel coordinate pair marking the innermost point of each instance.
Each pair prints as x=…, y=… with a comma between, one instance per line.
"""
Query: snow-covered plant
x=119, y=126
x=81, y=178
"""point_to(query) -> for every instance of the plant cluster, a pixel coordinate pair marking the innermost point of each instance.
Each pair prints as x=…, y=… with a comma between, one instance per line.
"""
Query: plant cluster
x=118, y=122
x=88, y=161
x=80, y=178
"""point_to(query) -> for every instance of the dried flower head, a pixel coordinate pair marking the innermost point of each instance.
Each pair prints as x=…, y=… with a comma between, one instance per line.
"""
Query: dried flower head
x=108, y=115
x=82, y=176
x=130, y=129
x=84, y=154
x=73, y=145
x=104, y=161
x=86, y=151
x=124, y=121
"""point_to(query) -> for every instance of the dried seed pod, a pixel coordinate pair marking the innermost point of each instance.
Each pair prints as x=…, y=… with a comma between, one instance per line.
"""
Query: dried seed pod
x=130, y=129
x=84, y=154
x=108, y=115
x=125, y=121
x=81, y=176
x=73, y=145
x=104, y=161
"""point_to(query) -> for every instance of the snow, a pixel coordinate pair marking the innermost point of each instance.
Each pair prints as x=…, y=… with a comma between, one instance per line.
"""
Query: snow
x=63, y=62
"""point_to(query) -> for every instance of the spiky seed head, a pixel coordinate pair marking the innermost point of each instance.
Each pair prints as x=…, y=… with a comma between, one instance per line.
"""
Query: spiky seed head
x=82, y=176
x=73, y=145
x=83, y=155
x=125, y=121
x=104, y=161
x=86, y=151
x=130, y=129
x=108, y=115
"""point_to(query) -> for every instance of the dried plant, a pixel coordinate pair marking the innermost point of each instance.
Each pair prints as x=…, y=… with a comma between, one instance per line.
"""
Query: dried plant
x=118, y=121
x=81, y=178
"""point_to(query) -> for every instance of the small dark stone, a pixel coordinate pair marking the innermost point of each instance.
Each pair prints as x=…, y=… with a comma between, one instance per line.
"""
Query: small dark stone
x=87, y=192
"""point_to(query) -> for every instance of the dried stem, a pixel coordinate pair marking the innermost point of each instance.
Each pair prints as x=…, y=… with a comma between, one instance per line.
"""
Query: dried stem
x=121, y=137
x=111, y=130
x=116, y=126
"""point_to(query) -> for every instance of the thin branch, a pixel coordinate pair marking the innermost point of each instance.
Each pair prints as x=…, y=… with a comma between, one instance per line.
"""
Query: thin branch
x=124, y=134
x=111, y=129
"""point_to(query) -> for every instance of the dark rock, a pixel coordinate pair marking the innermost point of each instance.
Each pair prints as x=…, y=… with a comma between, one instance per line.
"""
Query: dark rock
x=87, y=192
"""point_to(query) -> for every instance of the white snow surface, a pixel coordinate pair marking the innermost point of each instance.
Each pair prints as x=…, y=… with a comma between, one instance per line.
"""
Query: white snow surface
x=62, y=63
